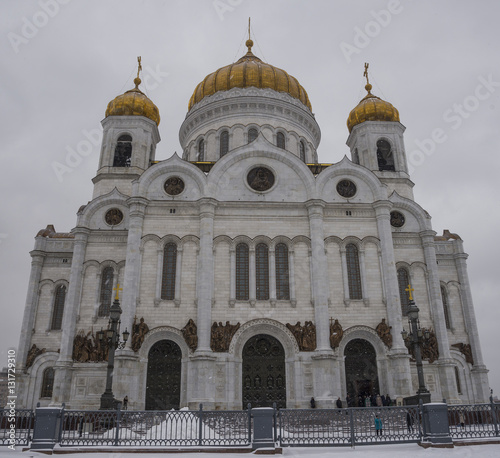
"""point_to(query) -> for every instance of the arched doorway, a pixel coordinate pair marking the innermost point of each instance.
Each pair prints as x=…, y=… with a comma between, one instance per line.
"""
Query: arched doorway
x=163, y=381
x=361, y=370
x=263, y=375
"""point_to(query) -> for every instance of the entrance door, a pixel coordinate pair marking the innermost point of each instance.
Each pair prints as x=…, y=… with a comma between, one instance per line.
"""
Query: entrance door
x=163, y=380
x=361, y=370
x=263, y=375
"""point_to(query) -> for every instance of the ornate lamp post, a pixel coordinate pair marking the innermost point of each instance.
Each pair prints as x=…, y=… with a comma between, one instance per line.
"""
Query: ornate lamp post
x=416, y=336
x=112, y=337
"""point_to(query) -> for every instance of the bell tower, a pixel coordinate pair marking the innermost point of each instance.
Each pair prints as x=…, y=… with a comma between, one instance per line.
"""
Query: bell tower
x=376, y=141
x=130, y=136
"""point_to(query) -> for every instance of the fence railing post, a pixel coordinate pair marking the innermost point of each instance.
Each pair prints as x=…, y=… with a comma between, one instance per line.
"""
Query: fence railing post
x=262, y=427
x=249, y=410
x=200, y=426
x=436, y=424
x=494, y=414
x=47, y=428
x=351, y=424
x=275, y=421
x=118, y=421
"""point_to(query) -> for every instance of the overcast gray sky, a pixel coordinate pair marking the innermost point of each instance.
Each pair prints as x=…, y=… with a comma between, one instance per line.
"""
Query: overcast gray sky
x=437, y=61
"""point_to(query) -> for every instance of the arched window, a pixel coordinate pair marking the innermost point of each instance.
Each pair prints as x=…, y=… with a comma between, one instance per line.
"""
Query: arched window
x=57, y=310
x=242, y=271
x=123, y=151
x=385, y=157
x=302, y=148
x=224, y=142
x=201, y=150
x=403, y=282
x=47, y=383
x=282, y=272
x=444, y=296
x=252, y=135
x=262, y=272
x=353, y=272
x=457, y=379
x=106, y=291
x=280, y=140
x=169, y=268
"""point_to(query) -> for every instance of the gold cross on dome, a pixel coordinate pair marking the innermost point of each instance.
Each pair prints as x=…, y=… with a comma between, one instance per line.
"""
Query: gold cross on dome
x=366, y=72
x=409, y=290
x=139, y=67
x=117, y=289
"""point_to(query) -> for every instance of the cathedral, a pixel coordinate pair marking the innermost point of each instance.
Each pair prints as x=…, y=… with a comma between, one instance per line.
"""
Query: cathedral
x=247, y=271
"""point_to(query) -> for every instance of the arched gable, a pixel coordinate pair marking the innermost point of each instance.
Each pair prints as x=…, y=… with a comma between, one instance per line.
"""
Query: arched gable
x=92, y=215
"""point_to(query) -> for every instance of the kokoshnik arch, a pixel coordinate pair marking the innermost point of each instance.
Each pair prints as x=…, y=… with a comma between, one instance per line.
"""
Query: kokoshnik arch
x=251, y=272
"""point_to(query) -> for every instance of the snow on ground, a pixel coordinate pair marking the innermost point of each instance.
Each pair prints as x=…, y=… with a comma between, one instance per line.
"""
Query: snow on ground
x=375, y=451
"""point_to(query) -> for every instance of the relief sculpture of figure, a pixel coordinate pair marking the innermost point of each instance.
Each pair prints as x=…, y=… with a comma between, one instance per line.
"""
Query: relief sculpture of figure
x=304, y=335
x=33, y=352
x=139, y=331
x=222, y=335
x=466, y=350
x=384, y=332
x=190, y=333
x=336, y=334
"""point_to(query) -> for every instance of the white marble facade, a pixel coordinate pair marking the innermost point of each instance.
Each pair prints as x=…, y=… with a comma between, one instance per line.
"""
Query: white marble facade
x=216, y=211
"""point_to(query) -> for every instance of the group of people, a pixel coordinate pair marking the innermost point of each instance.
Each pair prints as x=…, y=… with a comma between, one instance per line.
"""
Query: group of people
x=375, y=400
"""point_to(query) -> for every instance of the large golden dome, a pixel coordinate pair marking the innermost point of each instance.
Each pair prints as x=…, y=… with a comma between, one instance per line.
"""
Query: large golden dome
x=372, y=108
x=249, y=71
x=133, y=103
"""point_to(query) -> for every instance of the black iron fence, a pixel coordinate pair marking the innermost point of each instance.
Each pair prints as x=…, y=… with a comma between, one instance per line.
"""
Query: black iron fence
x=474, y=421
x=352, y=426
x=156, y=428
x=286, y=427
x=16, y=426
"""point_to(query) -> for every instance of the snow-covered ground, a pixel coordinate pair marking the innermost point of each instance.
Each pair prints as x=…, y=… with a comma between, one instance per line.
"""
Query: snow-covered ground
x=375, y=451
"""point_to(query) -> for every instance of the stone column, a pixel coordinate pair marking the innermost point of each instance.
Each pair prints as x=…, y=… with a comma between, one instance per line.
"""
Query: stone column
x=323, y=363
x=345, y=277
x=479, y=371
x=131, y=276
x=446, y=373
x=272, y=277
x=37, y=257
x=398, y=353
x=63, y=366
x=202, y=388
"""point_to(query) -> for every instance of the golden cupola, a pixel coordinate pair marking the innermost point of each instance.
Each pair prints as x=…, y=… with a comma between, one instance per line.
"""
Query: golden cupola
x=372, y=108
x=134, y=103
x=249, y=71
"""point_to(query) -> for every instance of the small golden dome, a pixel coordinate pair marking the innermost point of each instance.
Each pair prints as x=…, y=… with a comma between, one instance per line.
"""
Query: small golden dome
x=372, y=108
x=133, y=103
x=249, y=71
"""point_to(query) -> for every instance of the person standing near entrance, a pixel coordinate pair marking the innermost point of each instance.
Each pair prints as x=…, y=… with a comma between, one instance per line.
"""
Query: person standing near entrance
x=339, y=403
x=378, y=425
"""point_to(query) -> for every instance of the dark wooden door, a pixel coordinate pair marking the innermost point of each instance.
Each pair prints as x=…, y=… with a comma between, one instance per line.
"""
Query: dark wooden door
x=263, y=374
x=163, y=380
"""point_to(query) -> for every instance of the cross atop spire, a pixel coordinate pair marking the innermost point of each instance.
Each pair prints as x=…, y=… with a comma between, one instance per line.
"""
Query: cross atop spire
x=249, y=42
x=137, y=80
x=365, y=74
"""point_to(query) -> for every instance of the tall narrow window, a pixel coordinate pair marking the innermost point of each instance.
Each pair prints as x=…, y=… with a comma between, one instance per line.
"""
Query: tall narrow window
x=282, y=272
x=242, y=272
x=280, y=140
x=262, y=272
x=201, y=150
x=457, y=379
x=58, y=309
x=224, y=143
x=446, y=309
x=169, y=268
x=106, y=291
x=403, y=282
x=385, y=157
x=252, y=135
x=353, y=272
x=47, y=383
x=302, y=148
x=123, y=151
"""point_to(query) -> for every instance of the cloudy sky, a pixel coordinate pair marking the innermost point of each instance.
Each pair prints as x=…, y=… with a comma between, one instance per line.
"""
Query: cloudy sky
x=437, y=61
